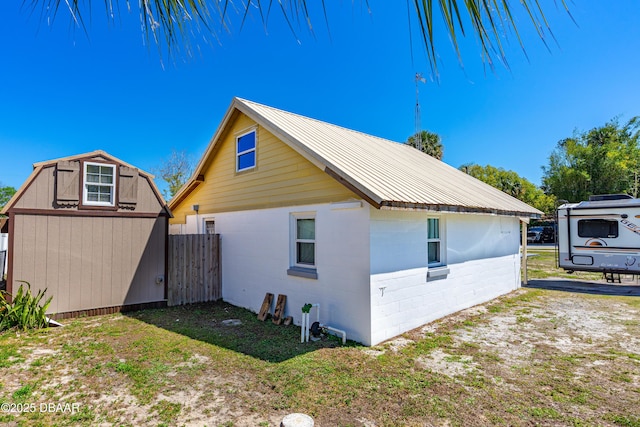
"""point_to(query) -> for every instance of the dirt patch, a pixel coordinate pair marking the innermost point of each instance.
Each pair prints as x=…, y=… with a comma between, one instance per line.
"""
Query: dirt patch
x=447, y=364
x=531, y=358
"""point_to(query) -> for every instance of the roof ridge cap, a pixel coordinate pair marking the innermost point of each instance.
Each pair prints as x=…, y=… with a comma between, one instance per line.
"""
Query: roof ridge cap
x=246, y=101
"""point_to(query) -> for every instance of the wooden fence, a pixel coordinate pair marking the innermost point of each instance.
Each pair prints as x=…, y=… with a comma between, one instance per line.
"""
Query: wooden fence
x=194, y=269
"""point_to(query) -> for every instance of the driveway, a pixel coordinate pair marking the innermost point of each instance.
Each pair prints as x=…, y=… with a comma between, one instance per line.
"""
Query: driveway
x=628, y=287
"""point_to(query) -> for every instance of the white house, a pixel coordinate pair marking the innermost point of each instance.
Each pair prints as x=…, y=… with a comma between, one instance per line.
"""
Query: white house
x=385, y=238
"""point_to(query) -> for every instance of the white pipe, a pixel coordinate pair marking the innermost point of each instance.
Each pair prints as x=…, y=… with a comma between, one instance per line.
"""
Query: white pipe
x=337, y=331
x=306, y=329
x=304, y=332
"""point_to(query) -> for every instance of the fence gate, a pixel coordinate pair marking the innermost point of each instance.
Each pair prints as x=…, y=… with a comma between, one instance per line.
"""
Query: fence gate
x=194, y=269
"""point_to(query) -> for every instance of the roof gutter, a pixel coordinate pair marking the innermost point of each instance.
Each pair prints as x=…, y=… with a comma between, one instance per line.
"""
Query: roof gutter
x=392, y=205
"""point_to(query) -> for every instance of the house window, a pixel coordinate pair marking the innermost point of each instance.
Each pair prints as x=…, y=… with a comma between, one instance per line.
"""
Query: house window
x=434, y=243
x=598, y=228
x=303, y=246
x=99, y=184
x=246, y=151
x=305, y=242
x=209, y=226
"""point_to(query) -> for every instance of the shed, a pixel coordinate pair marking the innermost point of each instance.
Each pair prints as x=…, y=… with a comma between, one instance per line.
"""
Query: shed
x=92, y=230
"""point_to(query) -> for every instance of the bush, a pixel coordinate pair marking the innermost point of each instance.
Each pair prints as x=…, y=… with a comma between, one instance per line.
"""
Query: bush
x=25, y=311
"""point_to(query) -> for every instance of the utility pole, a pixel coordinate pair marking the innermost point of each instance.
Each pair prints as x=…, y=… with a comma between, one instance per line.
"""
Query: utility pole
x=418, y=127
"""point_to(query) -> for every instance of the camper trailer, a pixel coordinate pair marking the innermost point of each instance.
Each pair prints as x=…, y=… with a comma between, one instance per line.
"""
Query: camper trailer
x=601, y=235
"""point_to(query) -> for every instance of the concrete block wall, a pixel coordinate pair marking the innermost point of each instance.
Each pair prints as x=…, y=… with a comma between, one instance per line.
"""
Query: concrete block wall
x=482, y=256
x=404, y=300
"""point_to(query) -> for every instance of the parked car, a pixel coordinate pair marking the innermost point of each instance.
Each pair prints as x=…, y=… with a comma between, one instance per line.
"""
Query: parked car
x=534, y=235
x=541, y=234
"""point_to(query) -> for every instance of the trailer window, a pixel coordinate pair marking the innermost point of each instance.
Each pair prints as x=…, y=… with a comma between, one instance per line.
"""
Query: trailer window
x=598, y=228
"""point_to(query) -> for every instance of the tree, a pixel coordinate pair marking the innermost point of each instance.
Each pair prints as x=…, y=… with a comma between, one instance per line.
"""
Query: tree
x=512, y=184
x=427, y=142
x=175, y=21
x=175, y=170
x=604, y=160
x=5, y=195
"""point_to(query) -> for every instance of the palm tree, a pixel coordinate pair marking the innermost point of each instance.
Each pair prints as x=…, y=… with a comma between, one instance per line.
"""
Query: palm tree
x=176, y=20
x=427, y=142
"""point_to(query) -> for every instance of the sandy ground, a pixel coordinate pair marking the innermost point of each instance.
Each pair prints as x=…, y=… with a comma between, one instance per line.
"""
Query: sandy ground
x=565, y=323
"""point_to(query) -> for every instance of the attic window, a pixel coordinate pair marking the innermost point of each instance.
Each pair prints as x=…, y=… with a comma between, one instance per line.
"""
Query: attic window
x=246, y=151
x=99, y=184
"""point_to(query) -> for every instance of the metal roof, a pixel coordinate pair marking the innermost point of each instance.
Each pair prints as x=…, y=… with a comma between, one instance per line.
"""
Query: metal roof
x=391, y=174
x=385, y=173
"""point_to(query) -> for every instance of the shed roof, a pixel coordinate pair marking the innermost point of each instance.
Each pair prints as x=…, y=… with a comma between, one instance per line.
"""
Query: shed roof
x=38, y=166
x=385, y=173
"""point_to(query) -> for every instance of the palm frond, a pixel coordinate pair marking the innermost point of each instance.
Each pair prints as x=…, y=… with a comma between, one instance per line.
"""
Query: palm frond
x=172, y=23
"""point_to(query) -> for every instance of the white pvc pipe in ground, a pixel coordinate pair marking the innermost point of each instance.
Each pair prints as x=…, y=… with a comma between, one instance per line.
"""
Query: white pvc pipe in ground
x=297, y=420
x=337, y=331
x=304, y=327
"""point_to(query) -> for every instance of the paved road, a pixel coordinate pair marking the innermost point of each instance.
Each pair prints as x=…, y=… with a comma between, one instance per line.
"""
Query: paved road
x=598, y=288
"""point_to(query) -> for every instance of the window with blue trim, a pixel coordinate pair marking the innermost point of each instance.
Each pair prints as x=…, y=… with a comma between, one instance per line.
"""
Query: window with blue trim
x=246, y=151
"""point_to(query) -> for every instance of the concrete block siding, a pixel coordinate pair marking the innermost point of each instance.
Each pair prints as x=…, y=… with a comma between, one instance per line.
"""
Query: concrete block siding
x=404, y=300
x=481, y=253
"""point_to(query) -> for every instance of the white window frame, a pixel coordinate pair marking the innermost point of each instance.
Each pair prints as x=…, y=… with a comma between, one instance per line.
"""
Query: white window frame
x=86, y=184
x=440, y=240
x=294, y=240
x=204, y=225
x=254, y=150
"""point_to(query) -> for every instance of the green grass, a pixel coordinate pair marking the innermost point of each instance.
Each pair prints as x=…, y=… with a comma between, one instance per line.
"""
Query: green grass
x=170, y=366
x=626, y=421
x=9, y=354
x=23, y=393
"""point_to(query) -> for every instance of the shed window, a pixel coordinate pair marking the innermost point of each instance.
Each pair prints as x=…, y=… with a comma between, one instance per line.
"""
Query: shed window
x=99, y=184
x=209, y=226
x=434, y=243
x=246, y=151
x=598, y=228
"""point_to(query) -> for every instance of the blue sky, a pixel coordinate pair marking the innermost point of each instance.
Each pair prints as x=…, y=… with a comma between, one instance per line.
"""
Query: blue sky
x=64, y=92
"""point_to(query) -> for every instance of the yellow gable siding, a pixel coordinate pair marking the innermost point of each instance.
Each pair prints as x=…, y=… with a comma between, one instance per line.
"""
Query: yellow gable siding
x=282, y=177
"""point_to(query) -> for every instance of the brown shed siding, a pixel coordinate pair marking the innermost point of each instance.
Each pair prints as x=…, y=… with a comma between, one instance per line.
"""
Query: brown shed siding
x=40, y=194
x=88, y=263
x=93, y=258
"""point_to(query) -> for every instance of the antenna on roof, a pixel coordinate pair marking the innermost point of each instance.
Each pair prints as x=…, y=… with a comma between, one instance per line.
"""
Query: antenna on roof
x=418, y=127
